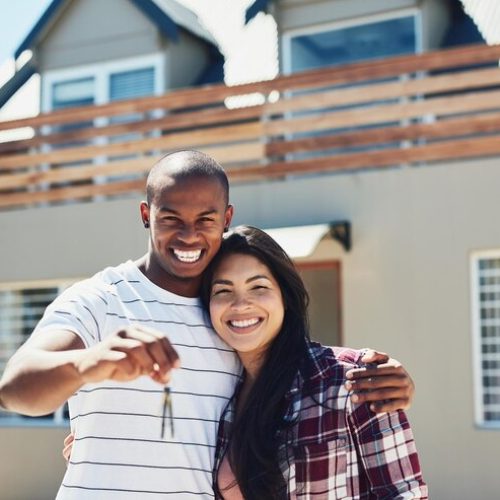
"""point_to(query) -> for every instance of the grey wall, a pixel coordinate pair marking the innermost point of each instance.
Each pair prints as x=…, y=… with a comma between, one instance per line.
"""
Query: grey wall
x=96, y=31
x=405, y=284
x=293, y=14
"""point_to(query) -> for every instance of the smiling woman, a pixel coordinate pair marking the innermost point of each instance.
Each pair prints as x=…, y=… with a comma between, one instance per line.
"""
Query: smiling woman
x=291, y=427
x=246, y=307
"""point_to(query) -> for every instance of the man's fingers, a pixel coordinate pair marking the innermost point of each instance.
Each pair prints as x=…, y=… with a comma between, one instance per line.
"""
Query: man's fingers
x=376, y=371
x=391, y=405
x=372, y=356
x=380, y=395
x=150, y=350
x=376, y=382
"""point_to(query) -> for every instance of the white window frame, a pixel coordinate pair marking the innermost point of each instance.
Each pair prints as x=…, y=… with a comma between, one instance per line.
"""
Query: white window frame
x=16, y=420
x=286, y=46
x=101, y=73
x=479, y=408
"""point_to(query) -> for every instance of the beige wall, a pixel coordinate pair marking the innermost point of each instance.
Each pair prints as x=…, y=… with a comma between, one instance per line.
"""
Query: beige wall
x=406, y=290
x=32, y=466
x=405, y=284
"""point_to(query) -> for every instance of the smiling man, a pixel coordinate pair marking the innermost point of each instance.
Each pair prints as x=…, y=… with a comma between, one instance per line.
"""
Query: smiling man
x=108, y=342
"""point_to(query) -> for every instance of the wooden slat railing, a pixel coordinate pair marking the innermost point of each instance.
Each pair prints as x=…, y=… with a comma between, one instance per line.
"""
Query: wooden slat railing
x=442, y=105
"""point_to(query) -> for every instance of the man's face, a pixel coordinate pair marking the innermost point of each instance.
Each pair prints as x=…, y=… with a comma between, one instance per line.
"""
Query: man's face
x=187, y=218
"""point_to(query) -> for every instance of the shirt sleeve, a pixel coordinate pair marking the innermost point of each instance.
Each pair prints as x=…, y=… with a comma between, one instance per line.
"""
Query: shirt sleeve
x=388, y=454
x=80, y=309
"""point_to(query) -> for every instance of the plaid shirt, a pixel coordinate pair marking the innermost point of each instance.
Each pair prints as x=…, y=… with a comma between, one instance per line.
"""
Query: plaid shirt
x=334, y=449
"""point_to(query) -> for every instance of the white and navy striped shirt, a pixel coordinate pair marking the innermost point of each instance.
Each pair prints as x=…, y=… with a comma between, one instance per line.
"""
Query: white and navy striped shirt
x=118, y=451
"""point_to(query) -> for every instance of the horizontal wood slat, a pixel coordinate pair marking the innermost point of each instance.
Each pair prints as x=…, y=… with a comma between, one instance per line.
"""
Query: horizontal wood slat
x=489, y=146
x=442, y=105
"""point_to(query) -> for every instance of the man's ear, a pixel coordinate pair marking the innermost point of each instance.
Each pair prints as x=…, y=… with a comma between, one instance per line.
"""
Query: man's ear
x=228, y=216
x=144, y=208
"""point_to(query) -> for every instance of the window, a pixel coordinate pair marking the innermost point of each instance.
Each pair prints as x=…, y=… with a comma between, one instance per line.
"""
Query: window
x=20, y=310
x=363, y=39
x=485, y=274
x=94, y=85
x=342, y=44
x=73, y=93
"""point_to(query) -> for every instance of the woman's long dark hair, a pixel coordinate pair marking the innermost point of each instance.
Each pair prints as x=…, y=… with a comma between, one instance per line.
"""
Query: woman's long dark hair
x=253, y=452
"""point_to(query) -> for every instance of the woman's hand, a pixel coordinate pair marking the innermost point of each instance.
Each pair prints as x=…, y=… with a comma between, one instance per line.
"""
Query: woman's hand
x=67, y=447
x=384, y=383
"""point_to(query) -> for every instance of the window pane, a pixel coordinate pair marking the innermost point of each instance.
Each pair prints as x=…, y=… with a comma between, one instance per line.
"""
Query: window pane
x=130, y=84
x=356, y=43
x=73, y=93
x=20, y=311
x=487, y=278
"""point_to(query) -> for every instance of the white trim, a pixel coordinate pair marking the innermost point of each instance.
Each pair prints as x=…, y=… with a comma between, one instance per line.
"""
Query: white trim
x=475, y=258
x=286, y=37
x=101, y=72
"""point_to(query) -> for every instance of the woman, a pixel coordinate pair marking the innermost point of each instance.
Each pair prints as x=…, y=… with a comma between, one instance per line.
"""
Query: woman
x=291, y=430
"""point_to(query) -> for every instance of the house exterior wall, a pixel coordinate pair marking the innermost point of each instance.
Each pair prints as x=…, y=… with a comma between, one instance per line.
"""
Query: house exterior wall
x=32, y=463
x=405, y=285
x=294, y=14
x=186, y=60
x=87, y=33
x=90, y=32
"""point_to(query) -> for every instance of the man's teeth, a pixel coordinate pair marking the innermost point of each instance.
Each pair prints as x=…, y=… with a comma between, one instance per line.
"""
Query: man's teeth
x=243, y=323
x=191, y=256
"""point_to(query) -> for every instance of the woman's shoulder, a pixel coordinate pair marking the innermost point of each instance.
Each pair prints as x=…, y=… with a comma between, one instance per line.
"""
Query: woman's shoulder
x=325, y=361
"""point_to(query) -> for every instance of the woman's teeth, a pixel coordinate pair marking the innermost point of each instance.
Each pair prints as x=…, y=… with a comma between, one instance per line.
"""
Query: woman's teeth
x=243, y=323
x=189, y=257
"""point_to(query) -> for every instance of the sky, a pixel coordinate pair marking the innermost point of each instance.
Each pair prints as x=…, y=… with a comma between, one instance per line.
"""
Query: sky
x=251, y=51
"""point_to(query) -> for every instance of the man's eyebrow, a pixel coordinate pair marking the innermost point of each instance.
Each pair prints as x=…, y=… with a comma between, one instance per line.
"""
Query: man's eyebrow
x=210, y=211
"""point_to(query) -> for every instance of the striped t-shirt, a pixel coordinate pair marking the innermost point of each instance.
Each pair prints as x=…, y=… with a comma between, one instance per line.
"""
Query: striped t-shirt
x=118, y=451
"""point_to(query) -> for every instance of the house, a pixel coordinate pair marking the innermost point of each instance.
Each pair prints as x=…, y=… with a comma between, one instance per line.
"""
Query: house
x=98, y=52
x=380, y=174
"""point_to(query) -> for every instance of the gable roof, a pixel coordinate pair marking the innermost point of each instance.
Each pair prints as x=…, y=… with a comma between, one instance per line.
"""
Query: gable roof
x=167, y=15
x=255, y=8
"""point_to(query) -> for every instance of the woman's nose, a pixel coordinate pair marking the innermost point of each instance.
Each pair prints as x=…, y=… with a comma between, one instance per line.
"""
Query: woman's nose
x=240, y=303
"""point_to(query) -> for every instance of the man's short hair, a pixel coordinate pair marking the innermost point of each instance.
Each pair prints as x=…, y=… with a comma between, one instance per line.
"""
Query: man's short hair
x=183, y=165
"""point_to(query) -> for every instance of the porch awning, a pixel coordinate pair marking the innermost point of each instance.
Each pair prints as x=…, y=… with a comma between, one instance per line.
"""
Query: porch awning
x=301, y=241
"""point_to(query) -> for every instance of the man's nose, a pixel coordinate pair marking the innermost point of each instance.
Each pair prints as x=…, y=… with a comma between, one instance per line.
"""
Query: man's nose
x=188, y=235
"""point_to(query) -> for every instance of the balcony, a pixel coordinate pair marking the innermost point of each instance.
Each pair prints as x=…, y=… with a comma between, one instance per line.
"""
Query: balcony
x=391, y=113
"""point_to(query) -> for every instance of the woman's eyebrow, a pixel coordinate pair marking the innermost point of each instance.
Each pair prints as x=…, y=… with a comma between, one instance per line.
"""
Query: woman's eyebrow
x=221, y=281
x=258, y=277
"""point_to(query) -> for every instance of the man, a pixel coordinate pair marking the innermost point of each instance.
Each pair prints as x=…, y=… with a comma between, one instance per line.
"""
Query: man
x=107, y=342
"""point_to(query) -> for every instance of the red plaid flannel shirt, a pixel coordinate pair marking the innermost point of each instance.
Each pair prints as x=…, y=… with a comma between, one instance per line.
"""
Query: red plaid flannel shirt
x=334, y=449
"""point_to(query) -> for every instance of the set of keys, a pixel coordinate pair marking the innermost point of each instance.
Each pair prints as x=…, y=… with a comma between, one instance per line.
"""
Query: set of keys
x=167, y=412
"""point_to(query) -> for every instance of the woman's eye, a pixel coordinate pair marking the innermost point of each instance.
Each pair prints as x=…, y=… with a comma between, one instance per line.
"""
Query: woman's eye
x=220, y=291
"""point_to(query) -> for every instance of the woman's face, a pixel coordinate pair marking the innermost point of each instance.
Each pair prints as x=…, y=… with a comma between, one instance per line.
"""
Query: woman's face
x=246, y=305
